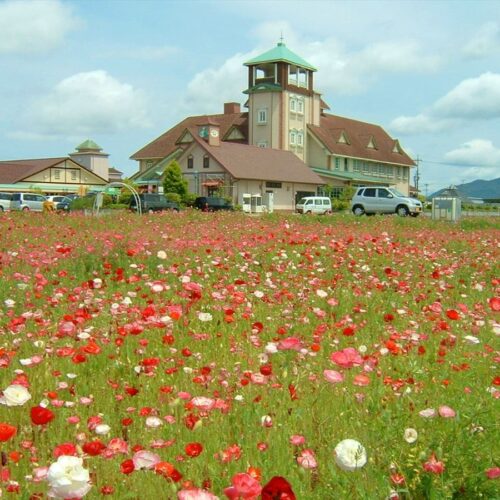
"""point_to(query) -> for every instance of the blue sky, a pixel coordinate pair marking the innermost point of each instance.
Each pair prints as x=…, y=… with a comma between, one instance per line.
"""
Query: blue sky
x=122, y=72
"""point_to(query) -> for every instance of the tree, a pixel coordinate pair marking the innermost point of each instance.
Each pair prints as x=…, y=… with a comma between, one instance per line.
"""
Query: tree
x=174, y=181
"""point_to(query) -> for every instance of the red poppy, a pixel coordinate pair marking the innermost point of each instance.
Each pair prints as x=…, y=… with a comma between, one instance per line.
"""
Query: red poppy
x=495, y=303
x=41, y=415
x=278, y=488
x=127, y=466
x=68, y=449
x=93, y=448
x=193, y=449
x=7, y=431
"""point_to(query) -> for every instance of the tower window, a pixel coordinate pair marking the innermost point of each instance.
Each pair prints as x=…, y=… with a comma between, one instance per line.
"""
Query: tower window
x=300, y=139
x=262, y=116
x=300, y=106
x=293, y=105
x=190, y=161
x=206, y=161
x=293, y=137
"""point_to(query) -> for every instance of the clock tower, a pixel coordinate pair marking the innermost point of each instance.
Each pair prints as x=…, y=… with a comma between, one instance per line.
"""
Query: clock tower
x=281, y=100
x=209, y=131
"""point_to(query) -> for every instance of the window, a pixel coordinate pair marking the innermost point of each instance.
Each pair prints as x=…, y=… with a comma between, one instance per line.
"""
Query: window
x=206, y=161
x=337, y=163
x=275, y=185
x=262, y=144
x=262, y=116
x=383, y=193
x=300, y=106
x=74, y=175
x=399, y=173
x=57, y=174
x=346, y=168
x=293, y=106
x=300, y=139
x=293, y=137
x=370, y=192
x=357, y=166
x=190, y=161
x=405, y=174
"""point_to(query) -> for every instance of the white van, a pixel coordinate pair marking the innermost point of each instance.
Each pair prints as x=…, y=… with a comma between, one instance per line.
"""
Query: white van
x=314, y=205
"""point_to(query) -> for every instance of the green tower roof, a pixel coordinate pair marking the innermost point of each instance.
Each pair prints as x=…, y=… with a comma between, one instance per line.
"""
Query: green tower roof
x=88, y=144
x=280, y=53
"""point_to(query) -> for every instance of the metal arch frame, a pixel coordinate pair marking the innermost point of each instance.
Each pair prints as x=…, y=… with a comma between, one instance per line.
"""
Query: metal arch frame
x=135, y=194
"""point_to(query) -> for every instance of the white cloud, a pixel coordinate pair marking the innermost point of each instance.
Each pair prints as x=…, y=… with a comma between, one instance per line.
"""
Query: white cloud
x=210, y=88
x=350, y=72
x=472, y=99
x=145, y=53
x=34, y=26
x=87, y=103
x=475, y=152
x=485, y=42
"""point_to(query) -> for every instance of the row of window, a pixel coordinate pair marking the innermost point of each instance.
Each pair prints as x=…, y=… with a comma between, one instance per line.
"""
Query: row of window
x=206, y=161
x=58, y=172
x=296, y=105
x=296, y=137
x=375, y=169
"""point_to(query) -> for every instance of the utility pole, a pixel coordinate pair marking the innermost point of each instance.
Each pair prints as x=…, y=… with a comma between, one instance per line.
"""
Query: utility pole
x=417, y=174
x=426, y=190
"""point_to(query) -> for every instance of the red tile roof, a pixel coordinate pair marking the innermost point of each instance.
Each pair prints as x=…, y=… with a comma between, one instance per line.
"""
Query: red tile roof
x=165, y=144
x=251, y=162
x=12, y=171
x=358, y=134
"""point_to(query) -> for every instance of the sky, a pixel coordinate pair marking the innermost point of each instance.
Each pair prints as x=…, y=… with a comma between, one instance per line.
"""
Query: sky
x=122, y=72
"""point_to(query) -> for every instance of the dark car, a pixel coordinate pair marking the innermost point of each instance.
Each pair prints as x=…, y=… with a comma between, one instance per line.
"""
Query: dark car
x=153, y=202
x=212, y=204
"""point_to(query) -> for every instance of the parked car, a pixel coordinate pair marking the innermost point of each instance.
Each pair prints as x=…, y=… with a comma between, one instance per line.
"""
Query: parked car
x=60, y=202
x=5, y=199
x=27, y=201
x=153, y=202
x=314, y=205
x=212, y=204
x=384, y=200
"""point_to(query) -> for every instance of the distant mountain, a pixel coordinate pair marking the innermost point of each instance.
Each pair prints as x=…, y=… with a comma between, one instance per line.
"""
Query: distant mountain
x=476, y=189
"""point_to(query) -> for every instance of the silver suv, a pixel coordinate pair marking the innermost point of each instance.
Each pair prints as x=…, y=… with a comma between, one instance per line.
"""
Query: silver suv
x=5, y=201
x=384, y=200
x=27, y=201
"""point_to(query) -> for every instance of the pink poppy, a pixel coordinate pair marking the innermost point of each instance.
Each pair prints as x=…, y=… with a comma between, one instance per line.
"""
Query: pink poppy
x=493, y=473
x=347, y=358
x=290, y=344
x=195, y=494
x=307, y=459
x=244, y=487
x=446, y=412
x=145, y=460
x=333, y=376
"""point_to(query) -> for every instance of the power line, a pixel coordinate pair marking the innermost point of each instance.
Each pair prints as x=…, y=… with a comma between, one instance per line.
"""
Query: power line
x=456, y=164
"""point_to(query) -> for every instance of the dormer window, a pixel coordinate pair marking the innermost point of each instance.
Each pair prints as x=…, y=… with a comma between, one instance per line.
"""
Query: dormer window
x=343, y=138
x=397, y=148
x=371, y=143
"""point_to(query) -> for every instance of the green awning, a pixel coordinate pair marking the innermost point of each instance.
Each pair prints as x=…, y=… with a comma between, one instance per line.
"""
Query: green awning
x=350, y=176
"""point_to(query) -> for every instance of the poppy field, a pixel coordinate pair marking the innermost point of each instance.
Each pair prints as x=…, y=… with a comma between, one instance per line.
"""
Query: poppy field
x=202, y=356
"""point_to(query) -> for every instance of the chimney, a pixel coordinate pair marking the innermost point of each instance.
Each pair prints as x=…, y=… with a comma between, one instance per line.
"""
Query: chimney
x=231, y=108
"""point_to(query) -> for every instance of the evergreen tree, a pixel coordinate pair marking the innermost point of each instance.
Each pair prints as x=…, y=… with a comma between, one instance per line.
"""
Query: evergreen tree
x=174, y=181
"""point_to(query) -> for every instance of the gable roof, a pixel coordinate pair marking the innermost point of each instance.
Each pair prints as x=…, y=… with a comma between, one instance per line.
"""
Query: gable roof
x=280, y=53
x=251, y=162
x=166, y=143
x=12, y=171
x=357, y=133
